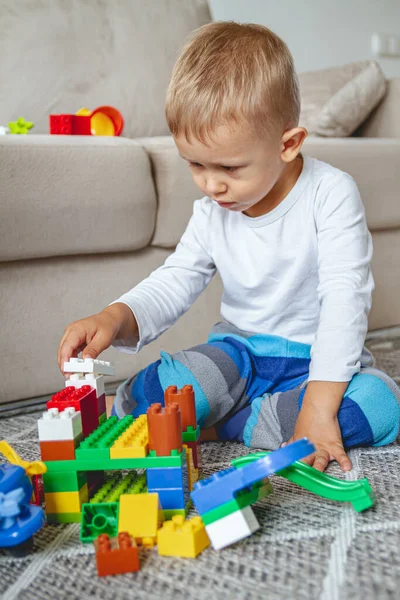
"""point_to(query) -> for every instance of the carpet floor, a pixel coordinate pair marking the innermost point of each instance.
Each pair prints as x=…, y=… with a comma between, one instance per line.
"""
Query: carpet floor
x=307, y=547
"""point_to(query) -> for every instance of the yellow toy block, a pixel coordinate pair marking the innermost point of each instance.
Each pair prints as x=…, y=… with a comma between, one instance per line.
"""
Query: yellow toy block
x=66, y=502
x=134, y=442
x=193, y=473
x=140, y=515
x=182, y=538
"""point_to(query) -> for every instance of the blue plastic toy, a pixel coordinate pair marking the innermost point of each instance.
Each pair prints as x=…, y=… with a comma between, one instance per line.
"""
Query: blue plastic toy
x=19, y=520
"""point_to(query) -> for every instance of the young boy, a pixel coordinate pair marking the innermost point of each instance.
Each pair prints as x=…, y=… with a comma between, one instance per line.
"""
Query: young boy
x=288, y=236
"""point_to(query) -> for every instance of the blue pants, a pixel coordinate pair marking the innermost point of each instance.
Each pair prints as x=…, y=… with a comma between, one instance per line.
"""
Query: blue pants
x=251, y=388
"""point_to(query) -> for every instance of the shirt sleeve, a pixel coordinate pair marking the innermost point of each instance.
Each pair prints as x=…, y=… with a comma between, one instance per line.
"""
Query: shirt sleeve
x=160, y=299
x=345, y=282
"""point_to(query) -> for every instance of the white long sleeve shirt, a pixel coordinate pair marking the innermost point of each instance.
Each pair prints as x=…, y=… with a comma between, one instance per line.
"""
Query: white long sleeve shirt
x=301, y=272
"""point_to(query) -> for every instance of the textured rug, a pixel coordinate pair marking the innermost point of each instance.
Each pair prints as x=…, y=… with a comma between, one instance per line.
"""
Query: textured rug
x=307, y=547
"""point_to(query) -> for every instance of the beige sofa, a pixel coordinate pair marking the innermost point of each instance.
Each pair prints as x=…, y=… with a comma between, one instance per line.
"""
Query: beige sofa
x=83, y=219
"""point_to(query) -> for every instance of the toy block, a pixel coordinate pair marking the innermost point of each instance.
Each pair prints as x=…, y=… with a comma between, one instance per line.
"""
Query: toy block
x=97, y=444
x=38, y=490
x=182, y=538
x=140, y=515
x=101, y=406
x=134, y=441
x=81, y=125
x=63, y=482
x=95, y=479
x=196, y=453
x=60, y=124
x=116, y=555
x=96, y=382
x=116, y=485
x=171, y=512
x=176, y=459
x=66, y=502
x=165, y=430
x=102, y=418
x=54, y=518
x=185, y=400
x=88, y=365
x=193, y=473
x=191, y=434
x=231, y=529
x=58, y=450
x=223, y=486
x=97, y=519
x=84, y=400
x=56, y=425
x=173, y=477
x=170, y=498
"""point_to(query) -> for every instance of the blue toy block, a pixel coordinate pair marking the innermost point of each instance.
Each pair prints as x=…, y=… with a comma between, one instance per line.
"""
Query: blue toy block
x=171, y=498
x=222, y=487
x=19, y=520
x=169, y=477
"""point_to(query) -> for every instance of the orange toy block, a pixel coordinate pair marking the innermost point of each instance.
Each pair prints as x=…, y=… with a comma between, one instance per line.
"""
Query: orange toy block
x=165, y=428
x=185, y=399
x=116, y=555
x=58, y=450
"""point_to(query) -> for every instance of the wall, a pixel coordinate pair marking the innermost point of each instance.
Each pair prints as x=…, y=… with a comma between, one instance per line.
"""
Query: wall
x=321, y=33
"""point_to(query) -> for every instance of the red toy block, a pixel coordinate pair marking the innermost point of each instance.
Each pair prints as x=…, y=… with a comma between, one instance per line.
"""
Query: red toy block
x=165, y=429
x=196, y=453
x=61, y=124
x=83, y=399
x=57, y=450
x=185, y=399
x=116, y=555
x=38, y=490
x=81, y=125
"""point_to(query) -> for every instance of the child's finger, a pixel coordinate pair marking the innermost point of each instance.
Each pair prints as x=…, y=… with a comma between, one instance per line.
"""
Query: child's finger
x=67, y=349
x=99, y=343
x=321, y=460
x=343, y=460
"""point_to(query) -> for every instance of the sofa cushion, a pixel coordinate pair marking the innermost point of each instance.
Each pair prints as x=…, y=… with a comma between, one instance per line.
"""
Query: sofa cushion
x=57, y=56
x=334, y=102
x=63, y=195
x=384, y=121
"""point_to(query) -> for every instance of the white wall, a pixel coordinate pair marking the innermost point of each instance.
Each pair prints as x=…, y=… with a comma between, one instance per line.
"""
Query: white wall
x=321, y=33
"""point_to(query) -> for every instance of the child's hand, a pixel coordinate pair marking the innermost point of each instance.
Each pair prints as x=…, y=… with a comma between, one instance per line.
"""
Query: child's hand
x=96, y=333
x=318, y=422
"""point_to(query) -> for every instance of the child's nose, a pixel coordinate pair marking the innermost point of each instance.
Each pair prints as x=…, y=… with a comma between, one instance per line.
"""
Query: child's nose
x=215, y=187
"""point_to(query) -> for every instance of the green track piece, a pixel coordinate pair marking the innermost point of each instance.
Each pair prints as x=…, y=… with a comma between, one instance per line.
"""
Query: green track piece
x=63, y=482
x=97, y=445
x=53, y=518
x=97, y=519
x=115, y=464
x=191, y=434
x=242, y=499
x=359, y=493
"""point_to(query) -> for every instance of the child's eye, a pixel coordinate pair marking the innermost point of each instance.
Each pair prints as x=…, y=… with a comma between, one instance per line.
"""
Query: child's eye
x=196, y=165
x=230, y=169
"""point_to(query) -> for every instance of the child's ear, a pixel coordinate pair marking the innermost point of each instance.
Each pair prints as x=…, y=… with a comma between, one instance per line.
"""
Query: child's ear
x=291, y=143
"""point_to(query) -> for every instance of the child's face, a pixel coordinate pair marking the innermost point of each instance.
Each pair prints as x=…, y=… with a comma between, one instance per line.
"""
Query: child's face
x=236, y=169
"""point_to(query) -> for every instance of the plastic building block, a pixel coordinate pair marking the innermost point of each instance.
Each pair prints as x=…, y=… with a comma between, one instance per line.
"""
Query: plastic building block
x=101, y=406
x=84, y=400
x=196, y=452
x=97, y=519
x=116, y=485
x=56, y=425
x=20, y=126
x=171, y=512
x=102, y=418
x=19, y=520
x=4, y=130
x=63, y=482
x=60, y=124
x=38, y=490
x=117, y=555
x=133, y=442
x=193, y=473
x=58, y=450
x=185, y=400
x=223, y=486
x=182, y=538
x=98, y=444
x=81, y=125
x=170, y=498
x=165, y=430
x=359, y=493
x=140, y=515
x=54, y=518
x=114, y=464
x=173, y=477
x=191, y=434
x=96, y=382
x=88, y=365
x=232, y=528
x=66, y=502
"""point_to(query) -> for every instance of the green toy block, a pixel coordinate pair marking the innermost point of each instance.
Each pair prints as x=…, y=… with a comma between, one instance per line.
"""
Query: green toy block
x=20, y=126
x=242, y=499
x=171, y=512
x=63, y=482
x=359, y=493
x=53, y=518
x=97, y=445
x=116, y=484
x=102, y=418
x=191, y=434
x=115, y=464
x=97, y=519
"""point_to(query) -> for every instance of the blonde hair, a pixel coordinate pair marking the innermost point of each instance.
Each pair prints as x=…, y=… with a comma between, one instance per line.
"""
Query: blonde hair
x=232, y=72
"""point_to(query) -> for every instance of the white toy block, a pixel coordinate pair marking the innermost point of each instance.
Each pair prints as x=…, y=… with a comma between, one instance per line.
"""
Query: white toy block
x=88, y=365
x=96, y=382
x=57, y=426
x=232, y=528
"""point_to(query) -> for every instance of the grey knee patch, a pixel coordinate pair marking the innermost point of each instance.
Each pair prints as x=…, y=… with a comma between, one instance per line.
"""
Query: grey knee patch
x=124, y=403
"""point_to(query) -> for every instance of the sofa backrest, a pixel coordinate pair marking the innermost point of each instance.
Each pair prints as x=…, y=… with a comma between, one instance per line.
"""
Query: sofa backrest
x=384, y=121
x=57, y=56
